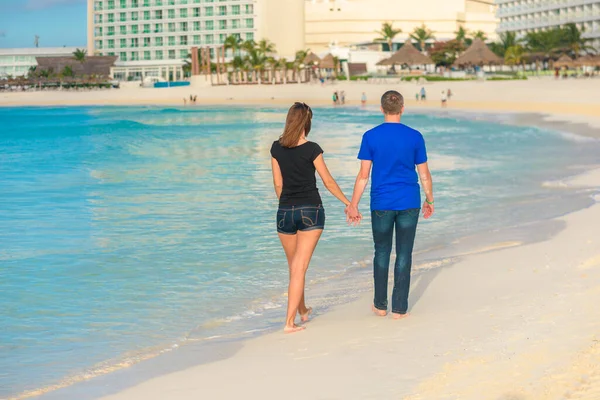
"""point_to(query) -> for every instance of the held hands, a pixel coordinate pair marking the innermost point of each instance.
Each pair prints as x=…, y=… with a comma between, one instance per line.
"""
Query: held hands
x=353, y=216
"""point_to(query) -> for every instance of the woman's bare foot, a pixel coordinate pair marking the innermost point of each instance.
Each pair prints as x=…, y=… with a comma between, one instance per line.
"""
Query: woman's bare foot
x=378, y=312
x=293, y=329
x=306, y=316
x=399, y=316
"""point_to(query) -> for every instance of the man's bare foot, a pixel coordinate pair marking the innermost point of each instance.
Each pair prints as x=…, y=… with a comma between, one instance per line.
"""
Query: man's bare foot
x=378, y=312
x=293, y=329
x=306, y=316
x=399, y=316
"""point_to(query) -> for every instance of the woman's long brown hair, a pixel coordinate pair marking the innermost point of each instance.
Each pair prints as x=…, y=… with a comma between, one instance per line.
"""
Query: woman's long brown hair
x=298, y=121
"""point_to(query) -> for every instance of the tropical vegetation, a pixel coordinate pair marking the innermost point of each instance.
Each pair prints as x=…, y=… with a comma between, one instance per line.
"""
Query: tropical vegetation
x=421, y=35
x=387, y=34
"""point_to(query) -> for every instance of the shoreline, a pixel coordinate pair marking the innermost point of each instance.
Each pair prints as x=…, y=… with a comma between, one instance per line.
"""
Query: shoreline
x=81, y=388
x=339, y=325
x=537, y=95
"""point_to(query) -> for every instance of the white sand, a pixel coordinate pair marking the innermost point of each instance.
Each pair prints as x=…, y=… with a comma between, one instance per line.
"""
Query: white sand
x=545, y=95
x=517, y=323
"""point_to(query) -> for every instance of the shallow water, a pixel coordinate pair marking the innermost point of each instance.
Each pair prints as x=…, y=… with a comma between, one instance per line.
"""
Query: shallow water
x=125, y=232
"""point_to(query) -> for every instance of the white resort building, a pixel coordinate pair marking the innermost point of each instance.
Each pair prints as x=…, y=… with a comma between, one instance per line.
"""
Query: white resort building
x=522, y=16
x=154, y=37
x=17, y=62
x=348, y=22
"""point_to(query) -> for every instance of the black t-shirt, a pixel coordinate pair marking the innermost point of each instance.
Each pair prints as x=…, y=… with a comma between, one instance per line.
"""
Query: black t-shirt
x=298, y=171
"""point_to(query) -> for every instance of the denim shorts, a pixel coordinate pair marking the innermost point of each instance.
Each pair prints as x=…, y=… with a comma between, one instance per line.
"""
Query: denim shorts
x=291, y=219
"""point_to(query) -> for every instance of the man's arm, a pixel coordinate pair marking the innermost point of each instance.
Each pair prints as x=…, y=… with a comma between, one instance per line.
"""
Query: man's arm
x=362, y=179
x=427, y=183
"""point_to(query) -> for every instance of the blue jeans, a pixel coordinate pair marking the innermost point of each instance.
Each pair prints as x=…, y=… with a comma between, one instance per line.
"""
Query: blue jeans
x=383, y=223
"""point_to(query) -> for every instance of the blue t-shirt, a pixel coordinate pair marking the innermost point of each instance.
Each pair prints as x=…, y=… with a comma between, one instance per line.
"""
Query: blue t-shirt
x=395, y=150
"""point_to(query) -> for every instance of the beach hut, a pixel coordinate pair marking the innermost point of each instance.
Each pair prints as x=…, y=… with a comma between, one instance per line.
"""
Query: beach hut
x=407, y=55
x=478, y=54
x=586, y=61
x=93, y=65
x=564, y=61
x=311, y=59
x=328, y=62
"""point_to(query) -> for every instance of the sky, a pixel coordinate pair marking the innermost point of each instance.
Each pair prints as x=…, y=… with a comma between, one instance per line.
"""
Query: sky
x=57, y=22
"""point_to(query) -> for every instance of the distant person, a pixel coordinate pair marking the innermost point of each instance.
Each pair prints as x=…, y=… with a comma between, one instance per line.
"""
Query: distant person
x=444, y=99
x=184, y=101
x=195, y=99
x=423, y=94
x=343, y=97
x=449, y=94
x=417, y=97
x=322, y=81
x=397, y=155
x=363, y=99
x=556, y=73
x=301, y=216
x=335, y=98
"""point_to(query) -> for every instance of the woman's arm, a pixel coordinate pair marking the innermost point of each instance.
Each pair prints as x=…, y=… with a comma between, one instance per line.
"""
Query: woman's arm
x=277, y=177
x=328, y=180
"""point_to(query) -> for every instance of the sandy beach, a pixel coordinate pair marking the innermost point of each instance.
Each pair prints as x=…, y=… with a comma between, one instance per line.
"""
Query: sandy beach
x=540, y=95
x=517, y=323
x=513, y=321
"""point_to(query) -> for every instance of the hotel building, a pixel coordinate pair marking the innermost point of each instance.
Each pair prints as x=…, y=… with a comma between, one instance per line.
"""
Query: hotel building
x=346, y=22
x=17, y=62
x=522, y=16
x=154, y=37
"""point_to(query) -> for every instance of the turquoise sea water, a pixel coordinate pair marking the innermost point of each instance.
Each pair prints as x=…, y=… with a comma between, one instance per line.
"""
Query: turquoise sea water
x=127, y=232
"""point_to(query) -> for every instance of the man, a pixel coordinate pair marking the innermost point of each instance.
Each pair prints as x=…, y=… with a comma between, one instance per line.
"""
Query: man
x=393, y=150
x=423, y=94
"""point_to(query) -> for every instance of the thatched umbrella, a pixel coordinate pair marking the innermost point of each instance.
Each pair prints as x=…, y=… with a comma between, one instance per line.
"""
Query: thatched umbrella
x=586, y=61
x=311, y=59
x=407, y=55
x=328, y=62
x=385, y=62
x=564, y=61
x=478, y=54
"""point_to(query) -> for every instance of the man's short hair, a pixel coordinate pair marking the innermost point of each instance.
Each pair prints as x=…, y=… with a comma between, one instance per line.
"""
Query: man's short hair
x=392, y=102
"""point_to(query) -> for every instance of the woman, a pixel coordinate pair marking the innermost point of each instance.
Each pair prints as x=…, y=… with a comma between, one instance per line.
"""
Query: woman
x=301, y=217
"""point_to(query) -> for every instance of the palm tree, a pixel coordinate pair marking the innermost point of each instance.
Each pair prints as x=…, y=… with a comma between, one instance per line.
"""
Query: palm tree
x=479, y=35
x=248, y=46
x=544, y=42
x=572, y=41
x=80, y=55
x=336, y=66
x=68, y=72
x=461, y=35
x=514, y=55
x=266, y=48
x=298, y=61
x=507, y=40
x=422, y=35
x=387, y=34
x=47, y=73
x=32, y=72
x=281, y=66
x=237, y=63
x=233, y=43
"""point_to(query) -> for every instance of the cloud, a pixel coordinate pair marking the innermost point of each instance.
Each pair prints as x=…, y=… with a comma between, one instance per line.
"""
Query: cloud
x=41, y=4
